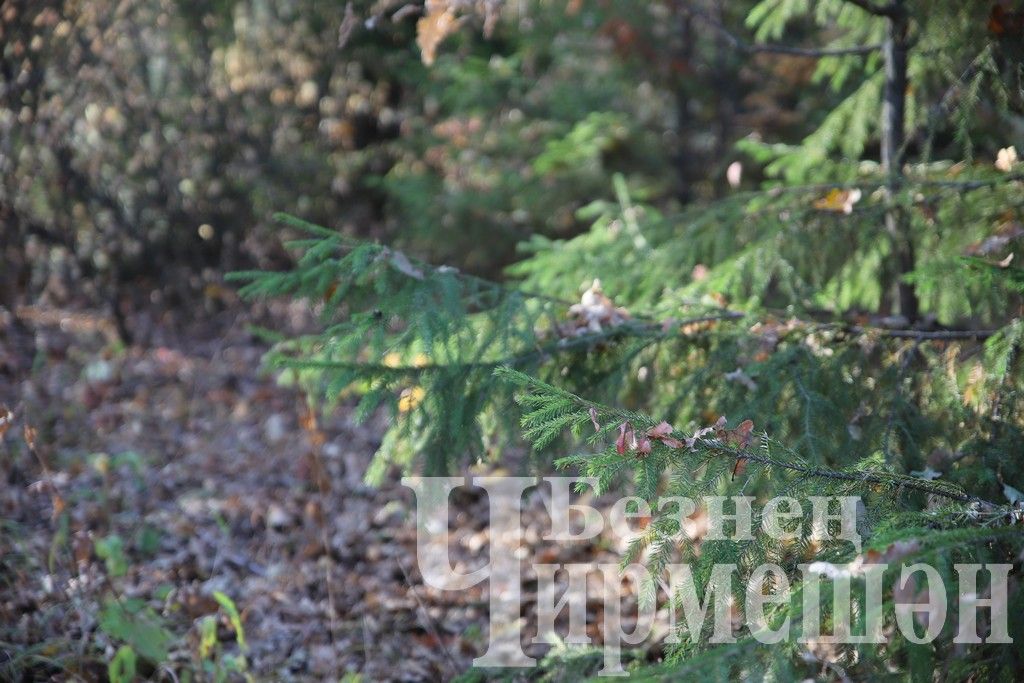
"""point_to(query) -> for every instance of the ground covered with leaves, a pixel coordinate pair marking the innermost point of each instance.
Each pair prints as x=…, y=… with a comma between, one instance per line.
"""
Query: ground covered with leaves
x=171, y=497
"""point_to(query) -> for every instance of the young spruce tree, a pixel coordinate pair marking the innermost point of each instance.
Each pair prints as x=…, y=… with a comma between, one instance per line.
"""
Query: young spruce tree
x=852, y=327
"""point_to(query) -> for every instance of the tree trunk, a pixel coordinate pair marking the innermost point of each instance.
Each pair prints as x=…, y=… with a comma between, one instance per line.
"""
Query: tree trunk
x=893, y=135
x=681, y=60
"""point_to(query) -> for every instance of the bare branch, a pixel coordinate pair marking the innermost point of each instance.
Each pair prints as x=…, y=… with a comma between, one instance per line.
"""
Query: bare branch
x=922, y=335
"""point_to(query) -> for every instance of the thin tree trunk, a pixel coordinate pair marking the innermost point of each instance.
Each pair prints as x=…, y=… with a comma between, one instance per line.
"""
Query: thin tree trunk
x=725, y=96
x=893, y=135
x=681, y=60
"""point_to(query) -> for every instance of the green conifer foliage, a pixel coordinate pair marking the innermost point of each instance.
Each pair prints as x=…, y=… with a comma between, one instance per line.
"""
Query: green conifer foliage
x=748, y=345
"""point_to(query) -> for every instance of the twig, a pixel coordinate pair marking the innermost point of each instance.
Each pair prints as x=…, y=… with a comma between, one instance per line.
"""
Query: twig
x=924, y=335
x=653, y=330
x=656, y=331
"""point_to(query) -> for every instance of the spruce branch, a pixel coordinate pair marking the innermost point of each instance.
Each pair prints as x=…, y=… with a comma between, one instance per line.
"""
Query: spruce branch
x=718, y=447
x=925, y=335
x=651, y=331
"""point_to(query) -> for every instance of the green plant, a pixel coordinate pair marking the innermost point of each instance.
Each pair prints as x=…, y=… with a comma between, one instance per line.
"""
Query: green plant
x=139, y=627
x=122, y=667
x=816, y=312
x=213, y=659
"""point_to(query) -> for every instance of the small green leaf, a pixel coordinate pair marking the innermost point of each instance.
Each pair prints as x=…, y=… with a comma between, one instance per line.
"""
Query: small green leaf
x=207, y=636
x=147, y=540
x=233, y=616
x=110, y=549
x=138, y=626
x=122, y=667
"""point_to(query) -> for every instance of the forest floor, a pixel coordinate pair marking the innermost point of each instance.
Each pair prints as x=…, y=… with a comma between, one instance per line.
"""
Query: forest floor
x=212, y=477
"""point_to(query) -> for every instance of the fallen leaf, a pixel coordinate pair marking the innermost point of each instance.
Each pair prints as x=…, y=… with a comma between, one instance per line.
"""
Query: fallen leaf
x=6, y=419
x=839, y=201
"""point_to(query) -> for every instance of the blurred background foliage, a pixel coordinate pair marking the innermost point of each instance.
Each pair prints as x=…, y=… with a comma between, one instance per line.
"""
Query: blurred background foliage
x=144, y=144
x=148, y=140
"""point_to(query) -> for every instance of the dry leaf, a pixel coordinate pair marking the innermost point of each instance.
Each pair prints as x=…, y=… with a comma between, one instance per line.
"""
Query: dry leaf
x=741, y=436
x=740, y=467
x=431, y=29
x=307, y=420
x=6, y=419
x=626, y=440
x=410, y=398
x=691, y=442
x=594, y=312
x=1007, y=233
x=663, y=433
x=839, y=201
x=593, y=420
